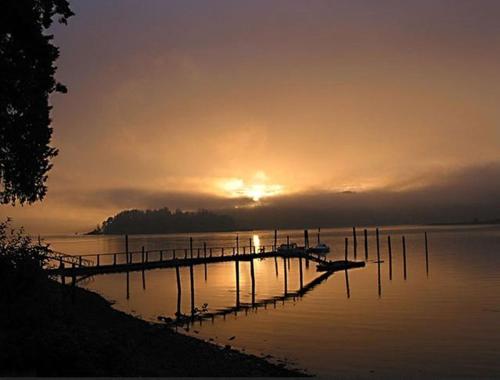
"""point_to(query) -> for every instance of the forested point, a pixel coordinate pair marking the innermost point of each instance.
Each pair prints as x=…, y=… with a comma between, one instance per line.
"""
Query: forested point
x=163, y=221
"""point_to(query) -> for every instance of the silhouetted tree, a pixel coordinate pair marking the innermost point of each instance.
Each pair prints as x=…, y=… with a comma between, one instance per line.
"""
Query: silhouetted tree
x=27, y=70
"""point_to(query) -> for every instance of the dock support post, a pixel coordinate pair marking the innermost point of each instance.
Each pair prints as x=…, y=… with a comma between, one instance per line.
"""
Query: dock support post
x=142, y=254
x=205, y=250
x=98, y=260
x=126, y=250
x=275, y=240
x=191, y=247
x=287, y=242
x=346, y=249
x=355, y=242
x=389, y=245
x=237, y=245
x=237, y=269
x=185, y=253
x=301, y=275
x=426, y=255
x=378, y=245
x=222, y=251
x=178, y=276
x=404, y=256
x=285, y=276
x=210, y=251
x=161, y=255
x=252, y=274
x=80, y=261
x=191, y=275
x=366, y=244
x=173, y=254
x=114, y=259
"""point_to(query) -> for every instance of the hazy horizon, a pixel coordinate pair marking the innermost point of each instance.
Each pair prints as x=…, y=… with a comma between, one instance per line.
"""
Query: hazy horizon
x=350, y=111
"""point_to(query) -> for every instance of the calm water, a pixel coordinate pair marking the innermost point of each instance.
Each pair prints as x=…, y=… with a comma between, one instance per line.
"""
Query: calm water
x=442, y=323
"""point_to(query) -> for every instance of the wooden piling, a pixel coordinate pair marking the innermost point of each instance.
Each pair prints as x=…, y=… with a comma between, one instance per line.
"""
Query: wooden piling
x=301, y=275
x=142, y=254
x=354, y=242
x=143, y=279
x=252, y=275
x=275, y=240
x=366, y=244
x=287, y=242
x=179, y=290
x=347, y=288
x=237, y=245
x=126, y=250
x=378, y=245
x=390, y=256
x=80, y=261
x=426, y=254
x=114, y=259
x=237, y=270
x=191, y=247
x=204, y=249
x=250, y=245
x=98, y=259
x=210, y=250
x=161, y=255
x=191, y=279
x=346, y=248
x=285, y=276
x=404, y=256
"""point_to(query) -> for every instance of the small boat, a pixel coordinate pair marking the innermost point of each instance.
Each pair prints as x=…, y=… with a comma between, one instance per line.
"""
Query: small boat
x=320, y=249
x=290, y=248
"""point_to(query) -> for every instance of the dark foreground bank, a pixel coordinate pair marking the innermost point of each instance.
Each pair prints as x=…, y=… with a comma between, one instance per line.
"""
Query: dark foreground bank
x=52, y=332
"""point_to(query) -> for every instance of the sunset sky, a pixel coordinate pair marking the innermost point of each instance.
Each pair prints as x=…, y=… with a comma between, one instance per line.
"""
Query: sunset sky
x=219, y=103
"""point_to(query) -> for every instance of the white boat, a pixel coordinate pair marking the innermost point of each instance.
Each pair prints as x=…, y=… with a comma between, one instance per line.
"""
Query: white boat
x=320, y=249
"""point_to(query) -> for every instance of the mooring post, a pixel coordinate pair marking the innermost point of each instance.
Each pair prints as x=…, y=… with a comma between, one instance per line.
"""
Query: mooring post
x=198, y=252
x=378, y=245
x=126, y=250
x=301, y=275
x=178, y=275
x=346, y=249
x=98, y=259
x=161, y=255
x=222, y=251
x=275, y=240
x=390, y=256
x=185, y=253
x=80, y=261
x=426, y=255
x=191, y=279
x=404, y=257
x=237, y=244
x=147, y=256
x=285, y=277
x=347, y=288
x=354, y=242
x=210, y=251
x=114, y=258
x=252, y=274
x=143, y=279
x=142, y=254
x=306, y=238
x=205, y=250
x=206, y=271
x=191, y=247
x=244, y=250
x=173, y=254
x=366, y=244
x=287, y=242
x=237, y=270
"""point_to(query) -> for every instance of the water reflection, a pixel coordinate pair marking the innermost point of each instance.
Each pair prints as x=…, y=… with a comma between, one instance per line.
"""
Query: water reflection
x=425, y=328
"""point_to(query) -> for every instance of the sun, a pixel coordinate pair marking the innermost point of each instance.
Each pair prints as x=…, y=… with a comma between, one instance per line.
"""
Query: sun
x=257, y=189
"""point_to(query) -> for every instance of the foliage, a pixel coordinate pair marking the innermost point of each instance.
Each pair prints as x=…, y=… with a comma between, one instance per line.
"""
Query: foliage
x=164, y=221
x=27, y=70
x=21, y=260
